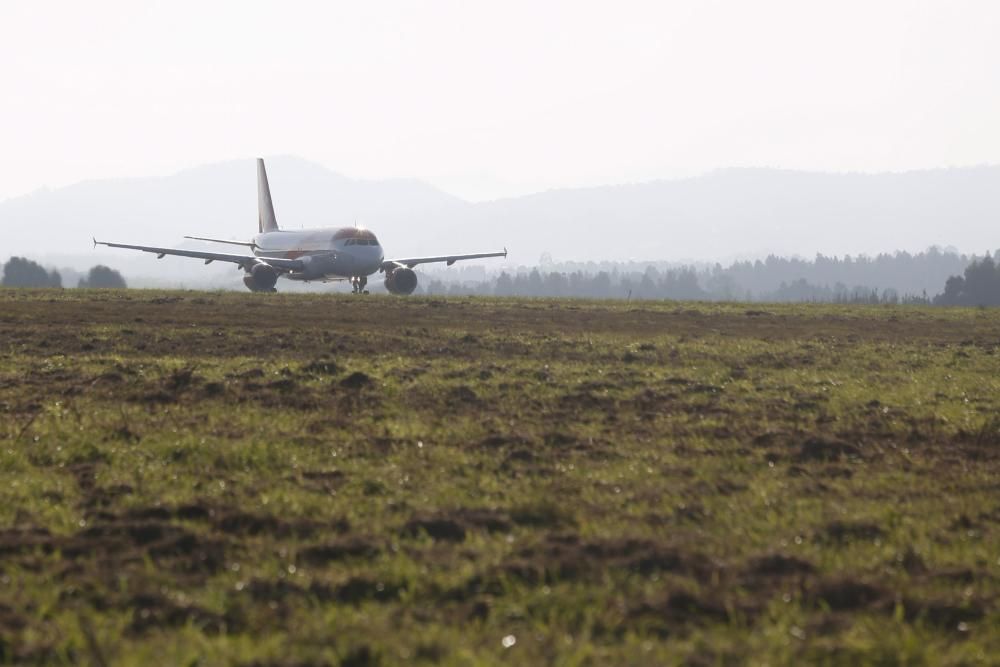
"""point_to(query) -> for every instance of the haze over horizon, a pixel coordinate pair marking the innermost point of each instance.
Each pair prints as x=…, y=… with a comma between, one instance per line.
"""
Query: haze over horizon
x=486, y=102
x=719, y=216
x=677, y=175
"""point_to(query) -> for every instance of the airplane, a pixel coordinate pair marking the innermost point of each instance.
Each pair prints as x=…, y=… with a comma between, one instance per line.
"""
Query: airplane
x=344, y=253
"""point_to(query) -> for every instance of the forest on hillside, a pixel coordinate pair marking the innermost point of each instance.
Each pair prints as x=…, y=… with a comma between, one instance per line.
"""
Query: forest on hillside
x=899, y=277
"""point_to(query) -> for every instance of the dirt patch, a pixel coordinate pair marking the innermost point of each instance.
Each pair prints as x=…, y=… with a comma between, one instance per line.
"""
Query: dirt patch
x=847, y=594
x=236, y=523
x=283, y=393
x=10, y=621
x=247, y=524
x=942, y=613
x=674, y=612
x=153, y=611
x=325, y=481
x=112, y=378
x=454, y=525
x=498, y=440
x=154, y=513
x=170, y=547
x=114, y=544
x=283, y=385
x=769, y=574
x=484, y=519
x=587, y=399
x=356, y=380
x=778, y=566
x=463, y=394
x=519, y=455
x=960, y=575
x=437, y=527
x=985, y=438
x=180, y=379
x=213, y=389
x=569, y=557
x=544, y=514
x=841, y=532
x=352, y=591
x=352, y=546
x=322, y=367
x=85, y=476
x=826, y=449
x=359, y=589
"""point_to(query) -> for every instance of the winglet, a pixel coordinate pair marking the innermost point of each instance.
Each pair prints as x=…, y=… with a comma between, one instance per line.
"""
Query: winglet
x=505, y=252
x=94, y=239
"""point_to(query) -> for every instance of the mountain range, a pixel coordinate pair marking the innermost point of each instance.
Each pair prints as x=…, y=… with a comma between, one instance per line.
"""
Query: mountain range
x=718, y=216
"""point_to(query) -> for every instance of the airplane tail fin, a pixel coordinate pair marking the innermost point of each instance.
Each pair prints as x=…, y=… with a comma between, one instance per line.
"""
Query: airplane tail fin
x=266, y=221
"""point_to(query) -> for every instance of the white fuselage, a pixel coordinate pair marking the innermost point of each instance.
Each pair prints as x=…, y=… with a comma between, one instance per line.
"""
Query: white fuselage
x=338, y=252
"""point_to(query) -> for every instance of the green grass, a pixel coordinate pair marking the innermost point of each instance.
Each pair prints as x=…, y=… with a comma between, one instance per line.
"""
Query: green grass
x=220, y=478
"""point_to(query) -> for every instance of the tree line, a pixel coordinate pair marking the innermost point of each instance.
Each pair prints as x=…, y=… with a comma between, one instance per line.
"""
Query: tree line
x=978, y=286
x=901, y=278
x=22, y=272
x=896, y=278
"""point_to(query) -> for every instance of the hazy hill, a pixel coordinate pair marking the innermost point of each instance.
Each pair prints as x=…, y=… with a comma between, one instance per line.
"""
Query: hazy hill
x=218, y=199
x=755, y=212
x=718, y=216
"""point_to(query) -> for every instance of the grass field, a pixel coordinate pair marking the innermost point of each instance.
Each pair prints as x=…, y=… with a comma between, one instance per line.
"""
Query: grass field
x=202, y=478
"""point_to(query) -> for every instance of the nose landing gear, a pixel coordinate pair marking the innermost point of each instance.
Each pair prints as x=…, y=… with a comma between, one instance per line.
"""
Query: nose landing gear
x=358, y=284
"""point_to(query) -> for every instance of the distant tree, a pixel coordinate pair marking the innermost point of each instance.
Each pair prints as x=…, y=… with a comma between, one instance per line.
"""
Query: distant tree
x=954, y=288
x=980, y=286
x=555, y=284
x=600, y=286
x=646, y=289
x=102, y=277
x=504, y=285
x=436, y=288
x=21, y=272
x=534, y=287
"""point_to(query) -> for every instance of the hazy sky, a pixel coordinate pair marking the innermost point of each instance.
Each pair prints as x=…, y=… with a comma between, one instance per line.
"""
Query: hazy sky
x=487, y=99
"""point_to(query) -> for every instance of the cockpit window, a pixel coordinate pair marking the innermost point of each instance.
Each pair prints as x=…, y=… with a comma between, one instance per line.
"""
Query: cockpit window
x=361, y=242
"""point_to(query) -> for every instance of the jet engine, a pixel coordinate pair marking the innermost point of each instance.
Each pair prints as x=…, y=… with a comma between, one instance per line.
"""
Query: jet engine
x=401, y=280
x=261, y=278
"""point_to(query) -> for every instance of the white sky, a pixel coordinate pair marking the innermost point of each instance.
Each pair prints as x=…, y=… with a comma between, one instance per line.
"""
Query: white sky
x=488, y=99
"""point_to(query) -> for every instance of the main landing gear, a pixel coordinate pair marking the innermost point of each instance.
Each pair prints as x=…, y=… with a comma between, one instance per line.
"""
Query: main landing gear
x=358, y=284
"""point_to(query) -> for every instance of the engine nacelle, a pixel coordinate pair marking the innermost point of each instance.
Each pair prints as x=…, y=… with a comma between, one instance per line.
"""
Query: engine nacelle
x=260, y=278
x=401, y=280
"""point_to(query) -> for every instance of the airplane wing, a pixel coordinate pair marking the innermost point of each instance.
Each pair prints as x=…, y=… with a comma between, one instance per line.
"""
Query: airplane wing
x=242, y=260
x=249, y=244
x=450, y=259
